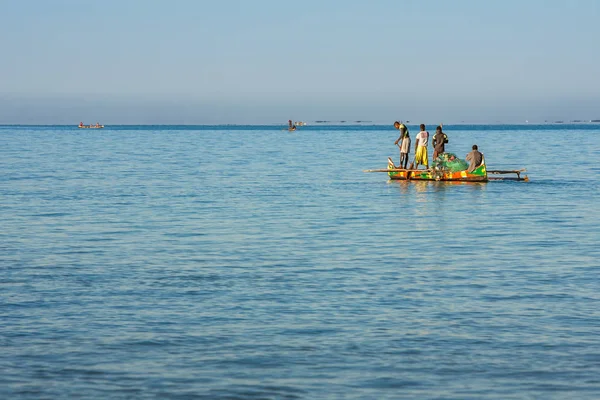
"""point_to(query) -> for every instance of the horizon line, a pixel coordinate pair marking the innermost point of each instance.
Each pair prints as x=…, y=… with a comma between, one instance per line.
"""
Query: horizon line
x=325, y=123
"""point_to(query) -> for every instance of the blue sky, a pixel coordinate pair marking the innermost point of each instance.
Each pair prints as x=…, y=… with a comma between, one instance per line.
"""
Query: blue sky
x=266, y=61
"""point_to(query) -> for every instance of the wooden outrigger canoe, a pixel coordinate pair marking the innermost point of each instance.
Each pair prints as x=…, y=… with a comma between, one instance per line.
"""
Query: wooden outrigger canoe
x=90, y=126
x=480, y=174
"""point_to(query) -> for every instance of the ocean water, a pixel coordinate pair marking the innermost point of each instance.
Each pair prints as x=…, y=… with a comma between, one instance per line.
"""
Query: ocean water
x=229, y=262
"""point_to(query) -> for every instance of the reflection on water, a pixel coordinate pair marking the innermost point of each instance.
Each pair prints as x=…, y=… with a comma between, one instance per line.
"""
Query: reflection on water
x=421, y=187
x=430, y=197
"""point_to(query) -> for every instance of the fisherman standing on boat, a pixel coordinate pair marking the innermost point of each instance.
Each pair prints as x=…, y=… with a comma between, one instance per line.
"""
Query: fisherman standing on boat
x=404, y=139
x=291, y=127
x=475, y=158
x=404, y=150
x=439, y=139
x=421, y=148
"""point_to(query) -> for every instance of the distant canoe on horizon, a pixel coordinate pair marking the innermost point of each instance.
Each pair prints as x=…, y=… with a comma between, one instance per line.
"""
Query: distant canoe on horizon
x=97, y=126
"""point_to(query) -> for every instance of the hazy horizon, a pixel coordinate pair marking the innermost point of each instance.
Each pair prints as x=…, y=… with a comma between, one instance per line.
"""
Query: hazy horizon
x=137, y=62
x=131, y=112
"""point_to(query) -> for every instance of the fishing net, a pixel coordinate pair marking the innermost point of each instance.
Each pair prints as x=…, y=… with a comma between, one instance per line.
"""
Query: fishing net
x=449, y=162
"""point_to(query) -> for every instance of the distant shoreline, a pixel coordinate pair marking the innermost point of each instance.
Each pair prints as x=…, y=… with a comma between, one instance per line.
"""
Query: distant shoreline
x=318, y=124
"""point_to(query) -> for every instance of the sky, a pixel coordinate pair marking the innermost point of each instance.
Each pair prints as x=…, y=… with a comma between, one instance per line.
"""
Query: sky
x=267, y=61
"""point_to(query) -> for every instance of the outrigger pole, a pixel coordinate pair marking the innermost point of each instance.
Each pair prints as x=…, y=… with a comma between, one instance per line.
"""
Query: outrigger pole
x=504, y=172
x=396, y=170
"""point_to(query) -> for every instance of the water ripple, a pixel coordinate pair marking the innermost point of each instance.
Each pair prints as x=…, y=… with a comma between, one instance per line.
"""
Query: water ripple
x=181, y=264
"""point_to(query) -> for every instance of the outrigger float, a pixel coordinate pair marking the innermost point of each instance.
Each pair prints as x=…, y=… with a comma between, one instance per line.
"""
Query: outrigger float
x=480, y=174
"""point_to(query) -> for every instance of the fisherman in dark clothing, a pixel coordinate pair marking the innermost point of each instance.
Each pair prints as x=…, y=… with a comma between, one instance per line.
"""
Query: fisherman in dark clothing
x=404, y=141
x=475, y=158
x=439, y=139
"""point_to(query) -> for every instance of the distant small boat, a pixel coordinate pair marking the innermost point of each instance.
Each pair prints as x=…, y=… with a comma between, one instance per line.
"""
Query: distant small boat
x=291, y=126
x=91, y=126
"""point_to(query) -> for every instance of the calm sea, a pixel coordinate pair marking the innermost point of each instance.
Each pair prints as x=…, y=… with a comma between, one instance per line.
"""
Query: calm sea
x=236, y=262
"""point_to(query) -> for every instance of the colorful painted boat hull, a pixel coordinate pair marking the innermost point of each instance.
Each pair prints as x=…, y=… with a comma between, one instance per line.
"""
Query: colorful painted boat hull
x=478, y=175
